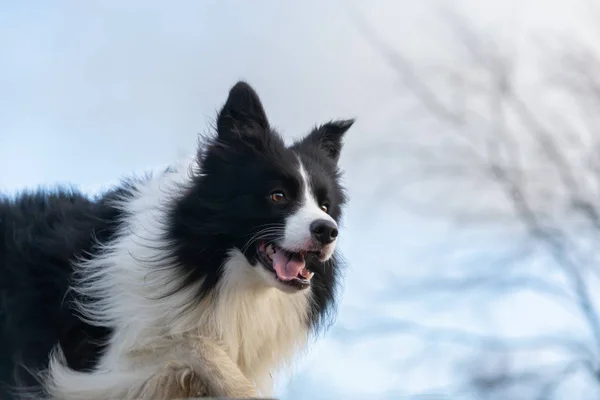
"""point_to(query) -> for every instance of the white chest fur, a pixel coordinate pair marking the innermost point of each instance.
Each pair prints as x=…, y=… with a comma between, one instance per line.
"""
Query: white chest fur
x=260, y=327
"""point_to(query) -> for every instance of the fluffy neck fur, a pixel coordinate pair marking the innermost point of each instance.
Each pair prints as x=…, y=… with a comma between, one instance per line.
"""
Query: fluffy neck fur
x=132, y=288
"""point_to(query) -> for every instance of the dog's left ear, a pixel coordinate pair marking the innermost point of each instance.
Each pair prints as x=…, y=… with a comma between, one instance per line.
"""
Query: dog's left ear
x=243, y=115
x=329, y=137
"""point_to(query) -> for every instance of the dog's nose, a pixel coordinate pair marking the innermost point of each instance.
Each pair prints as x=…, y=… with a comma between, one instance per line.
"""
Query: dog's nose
x=324, y=231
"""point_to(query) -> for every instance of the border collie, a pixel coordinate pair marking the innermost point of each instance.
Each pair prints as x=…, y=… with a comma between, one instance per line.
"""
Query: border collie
x=201, y=280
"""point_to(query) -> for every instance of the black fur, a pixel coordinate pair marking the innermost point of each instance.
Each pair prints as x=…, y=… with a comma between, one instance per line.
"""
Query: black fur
x=44, y=231
x=41, y=233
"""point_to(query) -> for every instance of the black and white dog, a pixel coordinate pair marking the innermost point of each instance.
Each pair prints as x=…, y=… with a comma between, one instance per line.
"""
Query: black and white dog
x=216, y=271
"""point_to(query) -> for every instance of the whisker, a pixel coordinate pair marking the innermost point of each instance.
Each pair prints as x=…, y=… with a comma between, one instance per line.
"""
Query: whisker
x=264, y=237
x=267, y=233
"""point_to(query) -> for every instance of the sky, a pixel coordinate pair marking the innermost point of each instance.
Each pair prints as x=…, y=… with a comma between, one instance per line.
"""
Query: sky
x=97, y=90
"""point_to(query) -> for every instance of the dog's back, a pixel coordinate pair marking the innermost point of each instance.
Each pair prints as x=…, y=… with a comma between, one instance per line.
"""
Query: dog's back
x=40, y=234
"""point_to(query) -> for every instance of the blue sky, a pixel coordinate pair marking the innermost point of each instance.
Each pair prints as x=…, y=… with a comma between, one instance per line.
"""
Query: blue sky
x=92, y=91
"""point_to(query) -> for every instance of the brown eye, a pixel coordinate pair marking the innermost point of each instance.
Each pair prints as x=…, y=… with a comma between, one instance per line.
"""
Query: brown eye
x=325, y=207
x=277, y=197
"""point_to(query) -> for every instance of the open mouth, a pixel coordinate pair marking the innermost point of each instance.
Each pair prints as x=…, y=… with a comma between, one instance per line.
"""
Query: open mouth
x=288, y=267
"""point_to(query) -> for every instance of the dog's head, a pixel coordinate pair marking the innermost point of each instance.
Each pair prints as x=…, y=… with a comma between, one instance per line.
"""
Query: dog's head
x=279, y=205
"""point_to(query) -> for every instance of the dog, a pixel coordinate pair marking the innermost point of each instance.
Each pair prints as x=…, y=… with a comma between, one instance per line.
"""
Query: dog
x=203, y=279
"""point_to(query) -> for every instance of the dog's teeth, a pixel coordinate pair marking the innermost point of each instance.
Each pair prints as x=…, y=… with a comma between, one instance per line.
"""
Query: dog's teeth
x=310, y=275
x=269, y=250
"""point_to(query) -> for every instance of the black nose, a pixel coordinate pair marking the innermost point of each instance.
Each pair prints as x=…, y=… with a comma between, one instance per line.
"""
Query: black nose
x=324, y=231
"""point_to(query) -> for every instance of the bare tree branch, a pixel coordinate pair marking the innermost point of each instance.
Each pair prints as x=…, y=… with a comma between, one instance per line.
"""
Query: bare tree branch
x=539, y=147
x=464, y=337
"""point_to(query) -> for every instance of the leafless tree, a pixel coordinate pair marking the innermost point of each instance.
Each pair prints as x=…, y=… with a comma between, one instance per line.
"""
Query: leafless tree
x=513, y=141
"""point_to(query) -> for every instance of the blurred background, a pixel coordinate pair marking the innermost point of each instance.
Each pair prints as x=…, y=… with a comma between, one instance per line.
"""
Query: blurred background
x=473, y=167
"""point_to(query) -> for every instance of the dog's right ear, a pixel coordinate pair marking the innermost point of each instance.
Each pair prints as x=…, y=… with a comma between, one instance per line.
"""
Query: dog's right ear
x=242, y=116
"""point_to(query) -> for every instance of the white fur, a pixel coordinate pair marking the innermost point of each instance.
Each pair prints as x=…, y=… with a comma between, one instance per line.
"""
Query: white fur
x=259, y=326
x=297, y=235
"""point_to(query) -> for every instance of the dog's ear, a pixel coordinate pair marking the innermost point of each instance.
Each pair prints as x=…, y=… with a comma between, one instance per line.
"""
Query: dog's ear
x=329, y=137
x=243, y=114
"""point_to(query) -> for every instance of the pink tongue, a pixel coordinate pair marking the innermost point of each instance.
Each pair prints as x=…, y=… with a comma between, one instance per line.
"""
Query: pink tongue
x=287, y=265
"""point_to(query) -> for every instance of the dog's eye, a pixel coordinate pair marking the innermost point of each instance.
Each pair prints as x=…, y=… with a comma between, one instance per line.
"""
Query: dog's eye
x=277, y=196
x=325, y=207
